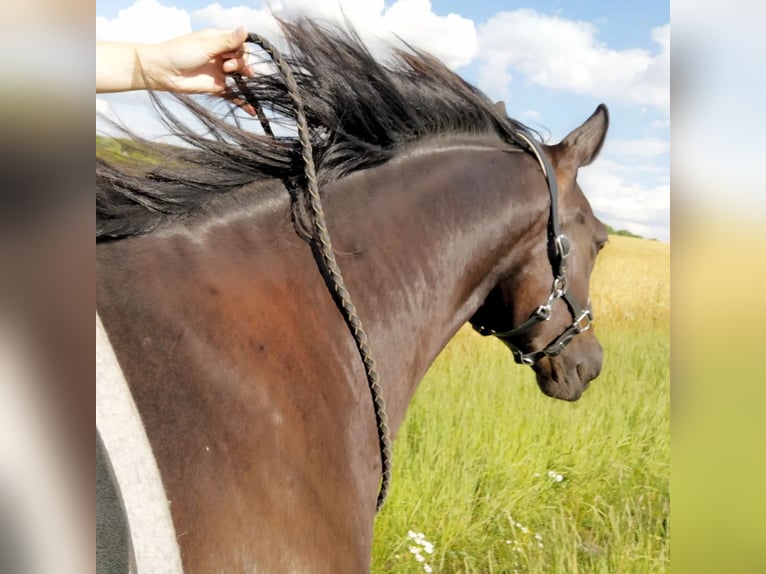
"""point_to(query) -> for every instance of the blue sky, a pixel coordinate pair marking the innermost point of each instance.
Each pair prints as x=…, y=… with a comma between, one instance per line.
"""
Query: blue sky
x=552, y=62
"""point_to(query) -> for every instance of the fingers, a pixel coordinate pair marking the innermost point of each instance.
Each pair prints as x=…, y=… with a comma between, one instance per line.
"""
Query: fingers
x=222, y=42
x=237, y=65
x=233, y=54
x=238, y=36
x=230, y=55
x=244, y=105
x=234, y=65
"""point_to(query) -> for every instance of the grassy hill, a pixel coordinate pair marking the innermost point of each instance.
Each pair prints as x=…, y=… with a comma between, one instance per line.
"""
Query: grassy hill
x=125, y=152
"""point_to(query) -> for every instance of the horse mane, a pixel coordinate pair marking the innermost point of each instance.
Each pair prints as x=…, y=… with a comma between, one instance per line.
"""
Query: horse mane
x=361, y=112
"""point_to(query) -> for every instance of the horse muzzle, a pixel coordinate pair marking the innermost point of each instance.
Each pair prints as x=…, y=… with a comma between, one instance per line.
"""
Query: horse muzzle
x=567, y=375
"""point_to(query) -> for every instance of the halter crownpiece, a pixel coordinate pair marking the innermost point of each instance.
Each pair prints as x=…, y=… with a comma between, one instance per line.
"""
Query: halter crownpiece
x=582, y=316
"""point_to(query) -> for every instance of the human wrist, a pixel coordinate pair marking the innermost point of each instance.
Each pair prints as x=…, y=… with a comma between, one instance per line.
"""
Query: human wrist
x=148, y=71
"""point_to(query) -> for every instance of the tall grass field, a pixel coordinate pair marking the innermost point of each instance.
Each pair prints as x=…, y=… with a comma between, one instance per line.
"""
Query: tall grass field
x=492, y=476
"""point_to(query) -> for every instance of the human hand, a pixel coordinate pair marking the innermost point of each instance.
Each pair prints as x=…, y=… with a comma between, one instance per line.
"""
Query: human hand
x=195, y=63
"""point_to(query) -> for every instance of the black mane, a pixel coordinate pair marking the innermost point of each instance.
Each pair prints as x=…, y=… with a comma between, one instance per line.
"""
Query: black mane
x=361, y=112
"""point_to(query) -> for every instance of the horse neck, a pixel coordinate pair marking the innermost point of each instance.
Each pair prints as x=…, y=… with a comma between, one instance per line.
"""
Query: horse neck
x=421, y=240
x=431, y=234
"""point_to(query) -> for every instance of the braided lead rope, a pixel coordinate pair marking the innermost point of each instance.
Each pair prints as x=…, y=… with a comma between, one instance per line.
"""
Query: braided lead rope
x=322, y=238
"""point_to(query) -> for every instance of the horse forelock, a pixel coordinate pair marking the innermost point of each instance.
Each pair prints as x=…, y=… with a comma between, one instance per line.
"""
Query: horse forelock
x=362, y=112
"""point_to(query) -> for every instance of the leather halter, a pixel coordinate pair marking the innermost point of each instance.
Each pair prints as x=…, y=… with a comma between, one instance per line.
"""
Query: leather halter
x=582, y=316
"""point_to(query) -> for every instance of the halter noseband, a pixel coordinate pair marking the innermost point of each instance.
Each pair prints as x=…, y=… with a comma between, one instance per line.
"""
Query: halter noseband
x=582, y=316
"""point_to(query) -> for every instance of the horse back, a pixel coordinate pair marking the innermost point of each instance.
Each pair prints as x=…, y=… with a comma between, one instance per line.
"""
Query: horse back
x=247, y=384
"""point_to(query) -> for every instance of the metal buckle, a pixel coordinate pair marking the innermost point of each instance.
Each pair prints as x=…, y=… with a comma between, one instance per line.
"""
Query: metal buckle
x=581, y=327
x=522, y=359
x=482, y=330
x=560, y=344
x=562, y=246
x=543, y=312
x=559, y=287
x=555, y=350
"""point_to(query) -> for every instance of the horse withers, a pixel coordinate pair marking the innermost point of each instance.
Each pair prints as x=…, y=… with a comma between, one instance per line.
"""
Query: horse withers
x=250, y=387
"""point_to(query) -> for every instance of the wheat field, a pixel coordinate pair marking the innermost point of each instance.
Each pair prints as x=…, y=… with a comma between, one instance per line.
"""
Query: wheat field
x=491, y=476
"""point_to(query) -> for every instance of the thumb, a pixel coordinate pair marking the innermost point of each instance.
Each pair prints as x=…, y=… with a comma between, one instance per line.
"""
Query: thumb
x=229, y=41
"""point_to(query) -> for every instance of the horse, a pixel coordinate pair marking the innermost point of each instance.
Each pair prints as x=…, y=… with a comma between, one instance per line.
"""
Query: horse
x=443, y=211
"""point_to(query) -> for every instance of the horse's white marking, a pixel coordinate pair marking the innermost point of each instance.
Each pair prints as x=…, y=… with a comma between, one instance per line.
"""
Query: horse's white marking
x=146, y=505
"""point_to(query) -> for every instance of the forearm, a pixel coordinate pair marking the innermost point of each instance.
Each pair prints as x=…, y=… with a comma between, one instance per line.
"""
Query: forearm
x=122, y=67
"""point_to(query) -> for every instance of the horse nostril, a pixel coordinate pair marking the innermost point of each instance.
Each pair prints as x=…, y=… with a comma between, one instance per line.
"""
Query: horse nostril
x=581, y=371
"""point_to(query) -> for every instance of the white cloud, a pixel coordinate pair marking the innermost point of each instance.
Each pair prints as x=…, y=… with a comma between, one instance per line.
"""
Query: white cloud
x=644, y=148
x=144, y=21
x=619, y=200
x=102, y=106
x=452, y=38
x=547, y=50
x=358, y=11
x=566, y=55
x=257, y=20
x=106, y=115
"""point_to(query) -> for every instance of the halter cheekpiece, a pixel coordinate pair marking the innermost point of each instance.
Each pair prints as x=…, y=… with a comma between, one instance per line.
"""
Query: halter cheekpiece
x=582, y=316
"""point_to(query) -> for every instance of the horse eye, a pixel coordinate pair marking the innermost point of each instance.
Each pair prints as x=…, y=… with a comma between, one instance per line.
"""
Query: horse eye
x=600, y=244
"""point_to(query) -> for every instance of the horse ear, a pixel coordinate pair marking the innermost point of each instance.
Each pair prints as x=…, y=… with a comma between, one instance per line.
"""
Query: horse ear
x=500, y=108
x=582, y=145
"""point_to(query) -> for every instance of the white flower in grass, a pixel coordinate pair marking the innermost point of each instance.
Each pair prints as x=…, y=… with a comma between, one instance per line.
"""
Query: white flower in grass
x=421, y=545
x=553, y=475
x=427, y=568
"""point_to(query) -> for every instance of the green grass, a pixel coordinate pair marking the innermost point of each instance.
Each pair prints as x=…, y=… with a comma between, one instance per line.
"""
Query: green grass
x=126, y=153
x=471, y=462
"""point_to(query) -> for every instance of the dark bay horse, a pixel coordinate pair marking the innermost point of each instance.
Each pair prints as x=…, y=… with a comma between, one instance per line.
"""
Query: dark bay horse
x=248, y=382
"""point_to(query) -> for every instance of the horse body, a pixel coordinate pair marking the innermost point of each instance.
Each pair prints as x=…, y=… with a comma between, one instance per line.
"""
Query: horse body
x=247, y=379
x=249, y=384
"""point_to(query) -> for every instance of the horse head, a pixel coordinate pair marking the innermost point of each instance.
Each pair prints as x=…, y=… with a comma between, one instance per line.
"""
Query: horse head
x=541, y=309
